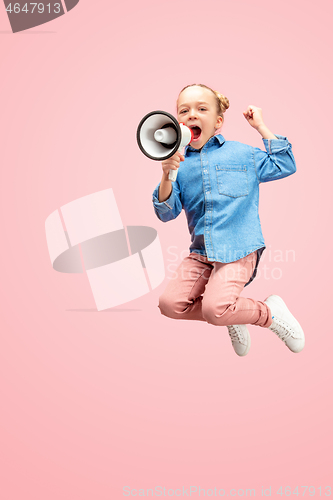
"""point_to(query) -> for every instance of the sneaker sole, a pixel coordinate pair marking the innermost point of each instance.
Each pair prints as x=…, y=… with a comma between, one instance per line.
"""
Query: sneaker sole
x=248, y=347
x=279, y=301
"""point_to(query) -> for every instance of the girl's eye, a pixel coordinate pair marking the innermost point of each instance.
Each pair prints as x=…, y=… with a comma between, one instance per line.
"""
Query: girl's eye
x=183, y=111
x=202, y=109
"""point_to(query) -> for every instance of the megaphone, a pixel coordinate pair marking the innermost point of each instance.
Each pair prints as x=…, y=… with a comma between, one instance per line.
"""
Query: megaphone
x=160, y=136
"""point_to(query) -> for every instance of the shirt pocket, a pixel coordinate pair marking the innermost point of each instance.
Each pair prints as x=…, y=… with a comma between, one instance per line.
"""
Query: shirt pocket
x=232, y=180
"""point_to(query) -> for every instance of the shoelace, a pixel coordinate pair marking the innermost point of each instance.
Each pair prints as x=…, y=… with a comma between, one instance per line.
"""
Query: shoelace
x=280, y=329
x=235, y=334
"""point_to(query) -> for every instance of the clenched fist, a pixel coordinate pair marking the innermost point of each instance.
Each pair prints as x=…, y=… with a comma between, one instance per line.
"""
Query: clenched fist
x=254, y=116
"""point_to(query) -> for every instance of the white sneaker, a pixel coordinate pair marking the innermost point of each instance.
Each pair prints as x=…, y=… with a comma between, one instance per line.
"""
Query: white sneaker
x=286, y=327
x=240, y=339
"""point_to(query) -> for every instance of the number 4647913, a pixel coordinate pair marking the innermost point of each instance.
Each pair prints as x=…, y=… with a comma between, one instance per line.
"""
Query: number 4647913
x=40, y=7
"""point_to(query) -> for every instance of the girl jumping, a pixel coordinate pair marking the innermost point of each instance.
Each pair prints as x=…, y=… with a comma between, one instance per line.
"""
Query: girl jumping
x=217, y=185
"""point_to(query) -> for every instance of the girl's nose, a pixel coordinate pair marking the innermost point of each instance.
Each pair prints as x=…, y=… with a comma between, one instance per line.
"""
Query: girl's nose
x=193, y=113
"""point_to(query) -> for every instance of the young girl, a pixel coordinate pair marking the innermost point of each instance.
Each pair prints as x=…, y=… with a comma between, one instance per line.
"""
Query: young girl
x=218, y=187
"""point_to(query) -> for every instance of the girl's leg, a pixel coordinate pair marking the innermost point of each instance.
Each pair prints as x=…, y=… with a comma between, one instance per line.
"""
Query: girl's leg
x=182, y=297
x=222, y=304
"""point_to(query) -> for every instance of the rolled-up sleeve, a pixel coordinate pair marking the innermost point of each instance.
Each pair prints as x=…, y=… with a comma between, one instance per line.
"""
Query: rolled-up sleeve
x=276, y=162
x=171, y=207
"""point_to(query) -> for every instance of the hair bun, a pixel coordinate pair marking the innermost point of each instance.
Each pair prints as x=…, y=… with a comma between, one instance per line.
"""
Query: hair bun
x=223, y=100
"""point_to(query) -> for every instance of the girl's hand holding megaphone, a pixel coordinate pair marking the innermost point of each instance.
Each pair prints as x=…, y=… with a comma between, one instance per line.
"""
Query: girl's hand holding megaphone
x=172, y=163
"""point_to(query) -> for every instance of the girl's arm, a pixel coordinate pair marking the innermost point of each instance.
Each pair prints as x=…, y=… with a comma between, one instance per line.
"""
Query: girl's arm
x=278, y=160
x=265, y=132
x=165, y=188
x=171, y=207
x=166, y=197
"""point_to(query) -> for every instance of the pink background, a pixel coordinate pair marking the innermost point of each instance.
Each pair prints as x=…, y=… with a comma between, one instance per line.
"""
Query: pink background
x=95, y=401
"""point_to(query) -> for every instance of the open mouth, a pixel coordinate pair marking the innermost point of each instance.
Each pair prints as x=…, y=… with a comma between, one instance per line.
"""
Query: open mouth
x=196, y=132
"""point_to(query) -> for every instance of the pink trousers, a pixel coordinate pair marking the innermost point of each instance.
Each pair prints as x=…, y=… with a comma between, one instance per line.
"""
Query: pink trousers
x=209, y=291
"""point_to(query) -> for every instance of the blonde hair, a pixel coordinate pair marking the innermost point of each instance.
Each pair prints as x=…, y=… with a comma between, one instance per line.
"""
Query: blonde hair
x=222, y=102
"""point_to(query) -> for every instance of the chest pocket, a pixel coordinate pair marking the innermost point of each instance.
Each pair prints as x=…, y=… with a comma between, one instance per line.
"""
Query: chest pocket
x=232, y=180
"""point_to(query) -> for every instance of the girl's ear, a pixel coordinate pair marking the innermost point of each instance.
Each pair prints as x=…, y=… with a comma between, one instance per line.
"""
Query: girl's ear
x=219, y=122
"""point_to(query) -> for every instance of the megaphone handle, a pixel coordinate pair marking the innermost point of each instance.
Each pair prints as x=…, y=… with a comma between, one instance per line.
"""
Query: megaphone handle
x=172, y=175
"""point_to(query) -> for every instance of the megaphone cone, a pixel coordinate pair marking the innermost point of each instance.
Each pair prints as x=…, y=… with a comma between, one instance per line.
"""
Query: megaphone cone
x=160, y=136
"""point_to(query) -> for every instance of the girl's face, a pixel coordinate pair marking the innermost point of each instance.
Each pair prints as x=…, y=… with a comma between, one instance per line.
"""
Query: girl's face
x=196, y=108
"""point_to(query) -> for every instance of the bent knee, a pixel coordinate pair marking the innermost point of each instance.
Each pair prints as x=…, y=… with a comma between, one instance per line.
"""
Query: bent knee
x=217, y=315
x=168, y=306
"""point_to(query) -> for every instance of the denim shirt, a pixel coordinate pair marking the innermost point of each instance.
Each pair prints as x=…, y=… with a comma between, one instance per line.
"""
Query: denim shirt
x=218, y=188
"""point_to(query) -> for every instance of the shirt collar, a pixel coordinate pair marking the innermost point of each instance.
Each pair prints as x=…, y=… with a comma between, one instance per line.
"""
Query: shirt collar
x=217, y=139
